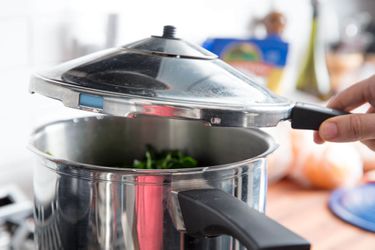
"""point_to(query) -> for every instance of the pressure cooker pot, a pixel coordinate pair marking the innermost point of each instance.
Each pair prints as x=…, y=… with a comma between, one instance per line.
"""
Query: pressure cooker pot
x=87, y=197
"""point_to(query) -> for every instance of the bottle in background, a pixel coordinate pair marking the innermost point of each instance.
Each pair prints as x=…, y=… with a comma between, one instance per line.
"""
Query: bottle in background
x=313, y=77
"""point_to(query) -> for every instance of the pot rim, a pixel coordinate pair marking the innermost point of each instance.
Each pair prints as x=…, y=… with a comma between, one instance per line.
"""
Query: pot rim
x=272, y=146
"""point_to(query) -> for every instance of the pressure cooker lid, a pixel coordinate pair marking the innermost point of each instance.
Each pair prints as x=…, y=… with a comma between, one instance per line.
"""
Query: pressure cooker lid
x=162, y=76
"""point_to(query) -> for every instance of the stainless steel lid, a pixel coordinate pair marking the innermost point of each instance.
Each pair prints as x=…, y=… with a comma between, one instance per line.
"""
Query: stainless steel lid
x=162, y=76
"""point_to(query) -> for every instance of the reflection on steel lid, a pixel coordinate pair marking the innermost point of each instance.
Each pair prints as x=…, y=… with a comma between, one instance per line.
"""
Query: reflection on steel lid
x=162, y=72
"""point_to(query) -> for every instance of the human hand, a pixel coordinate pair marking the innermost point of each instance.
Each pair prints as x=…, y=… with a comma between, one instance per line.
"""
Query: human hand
x=352, y=127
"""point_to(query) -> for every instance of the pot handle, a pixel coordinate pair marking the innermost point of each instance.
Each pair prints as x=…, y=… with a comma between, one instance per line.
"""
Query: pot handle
x=212, y=212
x=309, y=116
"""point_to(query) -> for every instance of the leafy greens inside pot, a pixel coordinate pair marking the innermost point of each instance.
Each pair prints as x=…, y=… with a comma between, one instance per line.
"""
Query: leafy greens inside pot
x=168, y=159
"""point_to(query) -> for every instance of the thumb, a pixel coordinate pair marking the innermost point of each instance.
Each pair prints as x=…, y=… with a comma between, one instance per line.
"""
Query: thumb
x=346, y=128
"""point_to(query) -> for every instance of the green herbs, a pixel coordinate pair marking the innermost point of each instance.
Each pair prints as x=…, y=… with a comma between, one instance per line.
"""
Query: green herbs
x=164, y=160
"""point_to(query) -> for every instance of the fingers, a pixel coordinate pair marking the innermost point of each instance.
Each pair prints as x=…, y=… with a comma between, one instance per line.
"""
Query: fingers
x=352, y=127
x=355, y=95
x=317, y=138
x=348, y=128
x=370, y=144
x=371, y=109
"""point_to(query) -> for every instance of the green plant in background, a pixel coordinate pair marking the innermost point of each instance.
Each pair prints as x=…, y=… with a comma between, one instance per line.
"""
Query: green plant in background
x=169, y=159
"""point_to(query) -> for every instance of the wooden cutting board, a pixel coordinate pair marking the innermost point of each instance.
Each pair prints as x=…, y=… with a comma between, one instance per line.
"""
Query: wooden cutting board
x=306, y=212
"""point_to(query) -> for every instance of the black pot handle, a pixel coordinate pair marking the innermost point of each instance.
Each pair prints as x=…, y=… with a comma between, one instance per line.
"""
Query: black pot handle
x=308, y=116
x=213, y=212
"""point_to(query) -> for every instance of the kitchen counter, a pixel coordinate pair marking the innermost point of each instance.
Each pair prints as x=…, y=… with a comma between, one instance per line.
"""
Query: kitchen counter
x=306, y=212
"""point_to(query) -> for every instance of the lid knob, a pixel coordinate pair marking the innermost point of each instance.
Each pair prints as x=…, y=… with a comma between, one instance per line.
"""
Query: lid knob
x=169, y=31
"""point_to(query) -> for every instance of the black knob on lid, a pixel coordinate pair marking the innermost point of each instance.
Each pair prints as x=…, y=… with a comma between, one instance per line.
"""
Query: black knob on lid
x=169, y=31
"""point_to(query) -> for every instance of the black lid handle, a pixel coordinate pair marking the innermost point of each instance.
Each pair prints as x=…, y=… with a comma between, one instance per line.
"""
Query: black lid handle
x=308, y=116
x=212, y=212
x=169, y=31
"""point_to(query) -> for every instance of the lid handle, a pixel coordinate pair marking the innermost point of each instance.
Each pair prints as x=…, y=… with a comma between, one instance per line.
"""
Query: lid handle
x=169, y=31
x=309, y=116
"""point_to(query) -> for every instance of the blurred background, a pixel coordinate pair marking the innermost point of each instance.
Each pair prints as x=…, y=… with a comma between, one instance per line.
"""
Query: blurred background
x=40, y=33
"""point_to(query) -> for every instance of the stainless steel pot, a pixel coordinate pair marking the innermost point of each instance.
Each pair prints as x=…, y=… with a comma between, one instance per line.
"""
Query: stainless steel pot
x=86, y=199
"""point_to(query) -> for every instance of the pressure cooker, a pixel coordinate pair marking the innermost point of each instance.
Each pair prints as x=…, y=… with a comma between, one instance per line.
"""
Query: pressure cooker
x=171, y=94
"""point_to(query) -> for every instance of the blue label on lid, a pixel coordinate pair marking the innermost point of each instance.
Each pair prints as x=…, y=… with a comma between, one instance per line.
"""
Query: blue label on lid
x=91, y=101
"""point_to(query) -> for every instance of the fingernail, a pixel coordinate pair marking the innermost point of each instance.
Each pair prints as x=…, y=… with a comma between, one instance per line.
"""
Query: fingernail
x=318, y=139
x=328, y=130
